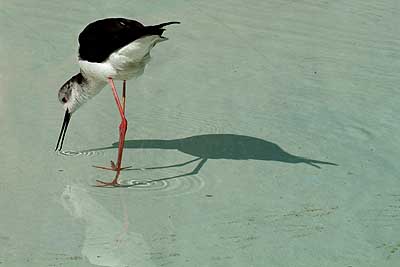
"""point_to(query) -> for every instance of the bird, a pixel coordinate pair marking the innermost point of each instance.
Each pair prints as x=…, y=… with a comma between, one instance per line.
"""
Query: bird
x=109, y=49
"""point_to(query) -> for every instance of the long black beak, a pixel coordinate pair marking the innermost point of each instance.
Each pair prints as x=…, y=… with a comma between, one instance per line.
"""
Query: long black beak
x=67, y=117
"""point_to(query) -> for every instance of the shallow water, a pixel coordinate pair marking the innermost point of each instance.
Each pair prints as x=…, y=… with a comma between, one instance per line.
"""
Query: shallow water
x=231, y=131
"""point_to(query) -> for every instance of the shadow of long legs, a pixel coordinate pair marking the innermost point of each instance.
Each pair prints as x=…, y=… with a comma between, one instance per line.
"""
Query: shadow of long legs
x=165, y=167
x=195, y=171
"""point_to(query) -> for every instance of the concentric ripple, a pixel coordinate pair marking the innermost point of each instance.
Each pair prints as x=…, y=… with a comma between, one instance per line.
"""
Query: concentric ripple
x=165, y=187
x=70, y=153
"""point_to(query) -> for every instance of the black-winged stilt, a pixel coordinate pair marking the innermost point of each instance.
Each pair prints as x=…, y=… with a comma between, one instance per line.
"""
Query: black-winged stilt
x=109, y=49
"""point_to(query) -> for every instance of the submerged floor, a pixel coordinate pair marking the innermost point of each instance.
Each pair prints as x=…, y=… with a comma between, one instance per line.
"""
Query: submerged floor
x=264, y=133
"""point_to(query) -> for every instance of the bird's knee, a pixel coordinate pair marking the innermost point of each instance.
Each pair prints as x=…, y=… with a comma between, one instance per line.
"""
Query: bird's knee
x=124, y=125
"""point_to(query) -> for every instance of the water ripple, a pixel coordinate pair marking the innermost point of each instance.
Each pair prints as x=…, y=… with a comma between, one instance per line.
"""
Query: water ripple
x=70, y=153
x=165, y=187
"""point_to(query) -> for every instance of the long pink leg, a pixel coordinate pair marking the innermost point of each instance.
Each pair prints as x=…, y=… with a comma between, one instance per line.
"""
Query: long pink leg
x=122, y=132
x=113, y=166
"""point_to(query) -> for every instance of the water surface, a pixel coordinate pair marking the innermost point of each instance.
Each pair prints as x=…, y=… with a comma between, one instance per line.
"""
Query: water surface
x=263, y=133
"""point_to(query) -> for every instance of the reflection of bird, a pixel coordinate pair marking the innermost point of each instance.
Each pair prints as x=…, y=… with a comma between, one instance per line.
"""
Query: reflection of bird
x=109, y=49
x=220, y=146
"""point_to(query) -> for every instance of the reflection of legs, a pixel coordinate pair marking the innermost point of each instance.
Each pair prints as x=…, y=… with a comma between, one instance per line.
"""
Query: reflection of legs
x=122, y=132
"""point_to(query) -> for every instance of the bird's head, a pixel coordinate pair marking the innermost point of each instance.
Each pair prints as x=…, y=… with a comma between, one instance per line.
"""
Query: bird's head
x=70, y=94
x=70, y=97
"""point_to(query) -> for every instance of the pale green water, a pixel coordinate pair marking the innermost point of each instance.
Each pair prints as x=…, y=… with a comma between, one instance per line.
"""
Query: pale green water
x=242, y=90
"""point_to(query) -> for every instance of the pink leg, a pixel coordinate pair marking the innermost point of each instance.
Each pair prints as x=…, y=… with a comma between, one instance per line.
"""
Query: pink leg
x=122, y=132
x=113, y=166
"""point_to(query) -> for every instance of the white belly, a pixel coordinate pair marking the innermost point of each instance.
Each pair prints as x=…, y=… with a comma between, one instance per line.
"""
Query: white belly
x=124, y=64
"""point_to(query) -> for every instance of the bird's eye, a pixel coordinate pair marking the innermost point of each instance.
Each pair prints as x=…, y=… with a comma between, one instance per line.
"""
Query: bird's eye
x=64, y=100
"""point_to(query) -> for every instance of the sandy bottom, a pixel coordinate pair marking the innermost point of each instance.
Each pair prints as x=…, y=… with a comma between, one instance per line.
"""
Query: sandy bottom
x=262, y=133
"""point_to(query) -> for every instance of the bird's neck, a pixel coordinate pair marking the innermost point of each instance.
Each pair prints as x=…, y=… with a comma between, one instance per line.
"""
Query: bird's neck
x=83, y=88
x=91, y=85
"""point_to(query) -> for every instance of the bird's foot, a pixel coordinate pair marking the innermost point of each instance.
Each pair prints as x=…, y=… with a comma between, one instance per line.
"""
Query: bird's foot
x=113, y=183
x=113, y=167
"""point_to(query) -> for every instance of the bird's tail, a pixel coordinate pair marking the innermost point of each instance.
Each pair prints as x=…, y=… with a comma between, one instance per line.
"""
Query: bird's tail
x=166, y=24
x=158, y=29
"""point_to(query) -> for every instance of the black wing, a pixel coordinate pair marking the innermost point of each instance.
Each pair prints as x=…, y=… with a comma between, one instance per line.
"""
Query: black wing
x=102, y=37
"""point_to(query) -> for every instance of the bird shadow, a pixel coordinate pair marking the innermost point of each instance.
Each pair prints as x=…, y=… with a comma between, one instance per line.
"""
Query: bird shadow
x=216, y=146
